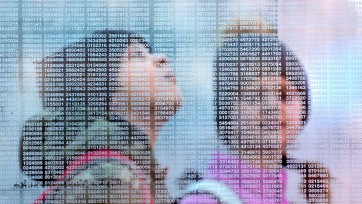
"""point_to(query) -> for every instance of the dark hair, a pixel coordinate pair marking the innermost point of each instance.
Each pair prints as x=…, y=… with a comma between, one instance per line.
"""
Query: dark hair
x=243, y=60
x=84, y=74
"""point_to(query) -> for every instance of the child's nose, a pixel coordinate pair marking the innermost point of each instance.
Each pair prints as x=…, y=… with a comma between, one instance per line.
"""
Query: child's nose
x=161, y=61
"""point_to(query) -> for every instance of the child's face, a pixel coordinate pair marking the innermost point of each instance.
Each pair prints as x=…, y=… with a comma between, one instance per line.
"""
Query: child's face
x=271, y=117
x=150, y=80
x=291, y=113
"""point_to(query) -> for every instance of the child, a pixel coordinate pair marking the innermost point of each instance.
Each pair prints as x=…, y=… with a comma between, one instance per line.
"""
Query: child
x=94, y=142
x=262, y=106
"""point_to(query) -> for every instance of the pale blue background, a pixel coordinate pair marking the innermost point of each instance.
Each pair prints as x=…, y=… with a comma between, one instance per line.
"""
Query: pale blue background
x=326, y=42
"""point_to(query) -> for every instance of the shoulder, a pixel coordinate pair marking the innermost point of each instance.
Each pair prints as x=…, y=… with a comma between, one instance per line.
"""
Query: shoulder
x=314, y=180
x=293, y=187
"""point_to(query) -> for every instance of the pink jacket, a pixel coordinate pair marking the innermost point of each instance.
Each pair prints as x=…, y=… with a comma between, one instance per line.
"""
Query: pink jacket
x=250, y=184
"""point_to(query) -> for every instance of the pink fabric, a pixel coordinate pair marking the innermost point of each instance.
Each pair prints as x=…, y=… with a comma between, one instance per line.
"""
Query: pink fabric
x=199, y=199
x=253, y=185
x=284, y=183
